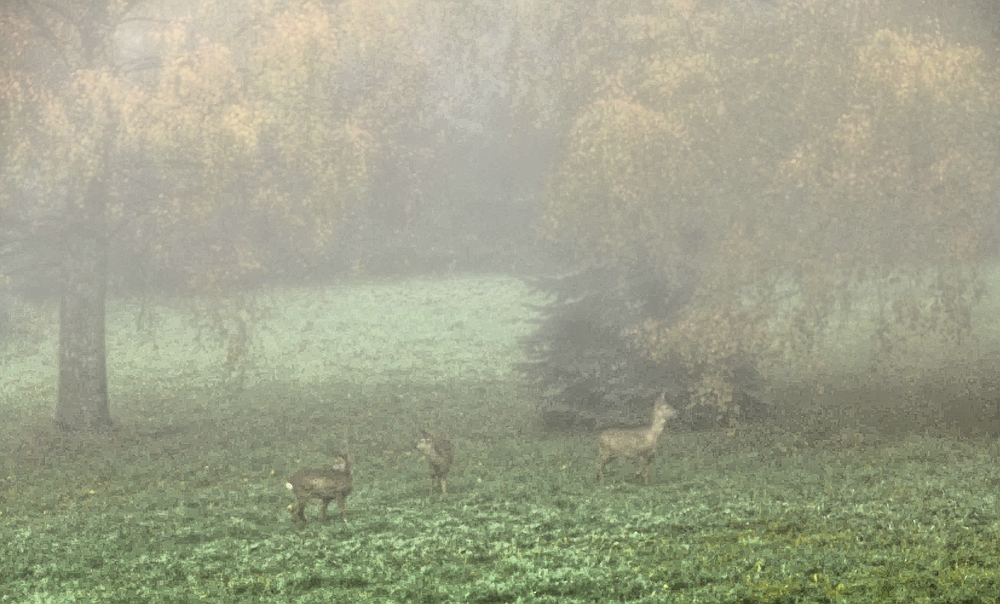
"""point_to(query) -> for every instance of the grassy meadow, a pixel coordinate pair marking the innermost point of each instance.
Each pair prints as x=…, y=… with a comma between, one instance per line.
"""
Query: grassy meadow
x=185, y=501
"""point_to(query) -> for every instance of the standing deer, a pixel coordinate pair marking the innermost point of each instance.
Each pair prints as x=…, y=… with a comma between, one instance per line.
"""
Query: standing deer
x=639, y=443
x=325, y=484
x=439, y=453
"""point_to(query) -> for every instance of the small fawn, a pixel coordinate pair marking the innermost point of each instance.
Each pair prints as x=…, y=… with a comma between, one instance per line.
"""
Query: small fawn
x=639, y=443
x=439, y=453
x=325, y=484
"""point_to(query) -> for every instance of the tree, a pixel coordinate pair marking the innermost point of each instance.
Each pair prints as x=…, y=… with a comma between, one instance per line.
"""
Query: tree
x=789, y=170
x=67, y=159
x=187, y=134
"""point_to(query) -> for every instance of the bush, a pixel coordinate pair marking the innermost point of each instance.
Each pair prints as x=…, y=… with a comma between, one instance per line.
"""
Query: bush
x=595, y=365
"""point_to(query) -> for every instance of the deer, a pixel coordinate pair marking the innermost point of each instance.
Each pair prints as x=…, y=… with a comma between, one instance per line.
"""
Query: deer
x=439, y=453
x=325, y=484
x=638, y=443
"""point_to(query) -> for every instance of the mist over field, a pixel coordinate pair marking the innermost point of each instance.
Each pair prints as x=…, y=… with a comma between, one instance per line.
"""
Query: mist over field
x=437, y=328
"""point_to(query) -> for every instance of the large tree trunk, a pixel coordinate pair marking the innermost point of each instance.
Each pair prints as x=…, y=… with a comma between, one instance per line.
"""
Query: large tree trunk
x=83, y=378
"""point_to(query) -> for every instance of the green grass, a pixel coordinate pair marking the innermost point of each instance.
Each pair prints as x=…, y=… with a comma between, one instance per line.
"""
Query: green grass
x=184, y=501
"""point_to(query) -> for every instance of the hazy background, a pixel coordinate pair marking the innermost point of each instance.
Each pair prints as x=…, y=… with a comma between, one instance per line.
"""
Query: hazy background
x=708, y=197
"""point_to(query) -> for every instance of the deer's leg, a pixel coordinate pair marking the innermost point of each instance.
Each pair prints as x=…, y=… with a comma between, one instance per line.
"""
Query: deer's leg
x=322, y=515
x=647, y=461
x=298, y=512
x=603, y=461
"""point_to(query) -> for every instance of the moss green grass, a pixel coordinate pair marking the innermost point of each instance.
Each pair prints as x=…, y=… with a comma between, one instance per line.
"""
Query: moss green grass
x=184, y=501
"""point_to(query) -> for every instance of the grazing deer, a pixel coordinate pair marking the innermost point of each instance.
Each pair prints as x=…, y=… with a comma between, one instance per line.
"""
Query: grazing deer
x=325, y=484
x=439, y=453
x=639, y=443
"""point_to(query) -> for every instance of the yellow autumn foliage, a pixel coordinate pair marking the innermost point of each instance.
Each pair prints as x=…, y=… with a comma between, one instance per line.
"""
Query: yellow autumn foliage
x=788, y=172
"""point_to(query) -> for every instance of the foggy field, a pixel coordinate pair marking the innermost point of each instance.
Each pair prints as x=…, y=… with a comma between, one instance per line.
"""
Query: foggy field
x=185, y=500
